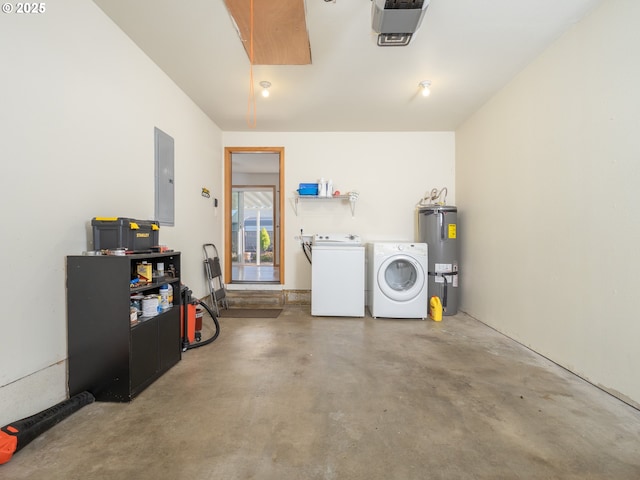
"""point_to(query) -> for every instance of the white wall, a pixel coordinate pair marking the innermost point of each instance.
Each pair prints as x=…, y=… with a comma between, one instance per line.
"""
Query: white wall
x=79, y=106
x=390, y=171
x=548, y=187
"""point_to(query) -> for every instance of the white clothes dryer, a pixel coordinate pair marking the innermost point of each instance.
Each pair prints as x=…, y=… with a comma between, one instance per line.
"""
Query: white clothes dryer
x=397, y=279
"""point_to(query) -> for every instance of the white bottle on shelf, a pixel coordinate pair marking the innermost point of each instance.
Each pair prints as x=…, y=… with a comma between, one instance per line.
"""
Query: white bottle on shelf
x=329, y=188
x=322, y=188
x=164, y=298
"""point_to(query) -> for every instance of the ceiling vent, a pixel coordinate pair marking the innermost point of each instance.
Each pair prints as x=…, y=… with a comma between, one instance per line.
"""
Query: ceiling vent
x=396, y=21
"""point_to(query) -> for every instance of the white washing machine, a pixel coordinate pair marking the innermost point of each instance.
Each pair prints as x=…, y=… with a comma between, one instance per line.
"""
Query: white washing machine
x=397, y=279
x=337, y=275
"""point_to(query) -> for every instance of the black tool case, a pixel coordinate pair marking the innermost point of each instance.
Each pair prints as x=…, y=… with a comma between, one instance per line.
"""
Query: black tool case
x=128, y=233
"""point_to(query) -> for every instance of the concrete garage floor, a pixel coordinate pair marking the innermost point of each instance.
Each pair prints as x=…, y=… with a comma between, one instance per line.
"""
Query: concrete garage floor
x=300, y=397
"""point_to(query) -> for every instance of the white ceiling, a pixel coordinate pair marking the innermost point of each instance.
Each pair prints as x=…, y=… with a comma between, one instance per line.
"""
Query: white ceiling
x=468, y=49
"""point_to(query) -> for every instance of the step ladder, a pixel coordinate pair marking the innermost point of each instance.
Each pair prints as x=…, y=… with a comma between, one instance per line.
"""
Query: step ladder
x=213, y=271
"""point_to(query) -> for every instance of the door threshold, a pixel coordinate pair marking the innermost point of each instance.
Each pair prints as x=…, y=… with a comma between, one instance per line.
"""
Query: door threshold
x=254, y=286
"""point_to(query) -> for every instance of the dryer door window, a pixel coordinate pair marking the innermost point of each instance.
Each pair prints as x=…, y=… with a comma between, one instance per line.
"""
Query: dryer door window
x=401, y=278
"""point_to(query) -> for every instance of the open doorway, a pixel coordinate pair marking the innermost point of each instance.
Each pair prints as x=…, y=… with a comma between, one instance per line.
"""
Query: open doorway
x=253, y=215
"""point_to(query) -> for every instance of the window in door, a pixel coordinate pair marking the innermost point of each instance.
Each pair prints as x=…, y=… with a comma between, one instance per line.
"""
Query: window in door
x=252, y=235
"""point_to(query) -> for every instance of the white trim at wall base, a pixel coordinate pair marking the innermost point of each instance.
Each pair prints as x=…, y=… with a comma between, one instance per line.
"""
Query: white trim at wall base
x=33, y=393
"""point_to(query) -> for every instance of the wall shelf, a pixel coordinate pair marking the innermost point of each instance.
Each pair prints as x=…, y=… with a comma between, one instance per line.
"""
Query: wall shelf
x=350, y=199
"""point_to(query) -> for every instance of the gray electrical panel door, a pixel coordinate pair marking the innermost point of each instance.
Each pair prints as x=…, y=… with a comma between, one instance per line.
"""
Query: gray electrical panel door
x=164, y=191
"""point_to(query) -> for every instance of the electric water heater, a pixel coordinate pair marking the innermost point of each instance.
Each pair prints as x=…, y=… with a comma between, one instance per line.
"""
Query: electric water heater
x=438, y=228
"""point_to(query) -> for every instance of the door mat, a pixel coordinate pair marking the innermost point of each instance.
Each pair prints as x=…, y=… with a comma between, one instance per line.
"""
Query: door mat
x=250, y=313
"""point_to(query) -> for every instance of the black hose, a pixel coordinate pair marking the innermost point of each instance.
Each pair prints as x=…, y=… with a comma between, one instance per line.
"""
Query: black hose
x=20, y=433
x=213, y=337
x=444, y=297
x=306, y=248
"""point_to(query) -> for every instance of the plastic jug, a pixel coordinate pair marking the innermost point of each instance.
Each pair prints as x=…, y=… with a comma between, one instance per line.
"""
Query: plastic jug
x=435, y=309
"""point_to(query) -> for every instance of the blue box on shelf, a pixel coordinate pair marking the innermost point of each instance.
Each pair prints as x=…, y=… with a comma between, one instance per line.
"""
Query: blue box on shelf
x=308, y=189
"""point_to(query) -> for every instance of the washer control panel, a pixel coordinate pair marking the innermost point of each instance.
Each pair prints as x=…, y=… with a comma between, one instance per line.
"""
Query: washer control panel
x=336, y=239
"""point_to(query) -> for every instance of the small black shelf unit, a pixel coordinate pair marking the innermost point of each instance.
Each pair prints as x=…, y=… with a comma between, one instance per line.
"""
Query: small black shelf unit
x=108, y=355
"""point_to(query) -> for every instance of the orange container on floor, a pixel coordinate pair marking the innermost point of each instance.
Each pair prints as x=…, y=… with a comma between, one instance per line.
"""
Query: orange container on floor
x=191, y=321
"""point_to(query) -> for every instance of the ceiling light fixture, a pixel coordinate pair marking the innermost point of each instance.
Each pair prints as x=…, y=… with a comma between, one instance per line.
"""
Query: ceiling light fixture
x=265, y=88
x=425, y=86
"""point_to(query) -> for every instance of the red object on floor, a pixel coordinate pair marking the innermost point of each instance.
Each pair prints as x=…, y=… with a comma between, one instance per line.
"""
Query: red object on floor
x=8, y=445
x=191, y=321
x=199, y=314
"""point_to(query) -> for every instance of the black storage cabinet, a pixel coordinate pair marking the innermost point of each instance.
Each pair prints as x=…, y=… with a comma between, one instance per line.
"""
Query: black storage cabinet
x=108, y=355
